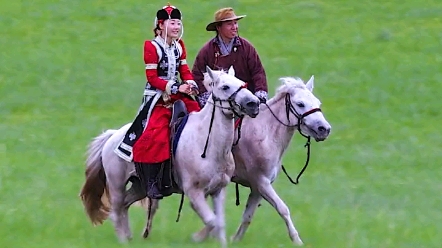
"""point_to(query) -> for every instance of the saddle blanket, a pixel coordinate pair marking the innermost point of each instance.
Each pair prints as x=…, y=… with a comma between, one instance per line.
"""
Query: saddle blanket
x=177, y=135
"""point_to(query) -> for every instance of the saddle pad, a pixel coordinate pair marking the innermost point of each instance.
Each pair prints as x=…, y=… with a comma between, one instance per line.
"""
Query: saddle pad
x=177, y=135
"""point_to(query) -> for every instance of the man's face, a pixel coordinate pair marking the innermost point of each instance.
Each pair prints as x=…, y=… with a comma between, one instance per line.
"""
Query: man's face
x=228, y=29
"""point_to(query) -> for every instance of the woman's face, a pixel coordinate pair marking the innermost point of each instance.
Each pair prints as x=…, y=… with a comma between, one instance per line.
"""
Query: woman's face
x=173, y=28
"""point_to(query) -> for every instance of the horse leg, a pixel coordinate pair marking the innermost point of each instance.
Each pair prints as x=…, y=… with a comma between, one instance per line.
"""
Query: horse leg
x=204, y=233
x=200, y=206
x=249, y=211
x=153, y=206
x=219, y=199
x=119, y=214
x=270, y=195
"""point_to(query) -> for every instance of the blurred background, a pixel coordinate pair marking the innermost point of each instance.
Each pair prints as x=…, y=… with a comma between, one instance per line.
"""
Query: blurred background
x=72, y=69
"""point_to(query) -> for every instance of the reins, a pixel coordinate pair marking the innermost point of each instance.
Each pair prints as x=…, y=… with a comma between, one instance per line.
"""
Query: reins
x=290, y=109
x=231, y=101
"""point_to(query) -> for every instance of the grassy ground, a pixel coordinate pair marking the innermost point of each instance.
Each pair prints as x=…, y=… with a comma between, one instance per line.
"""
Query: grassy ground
x=70, y=69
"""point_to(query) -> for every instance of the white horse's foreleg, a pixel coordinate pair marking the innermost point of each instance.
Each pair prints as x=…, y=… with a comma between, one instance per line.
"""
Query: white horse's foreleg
x=200, y=206
x=152, y=209
x=270, y=195
x=249, y=211
x=219, y=199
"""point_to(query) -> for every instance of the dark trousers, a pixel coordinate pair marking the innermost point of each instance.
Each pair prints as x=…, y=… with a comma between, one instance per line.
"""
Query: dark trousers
x=156, y=178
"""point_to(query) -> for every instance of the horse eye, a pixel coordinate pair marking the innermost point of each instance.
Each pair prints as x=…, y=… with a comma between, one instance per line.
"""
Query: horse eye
x=225, y=87
x=300, y=104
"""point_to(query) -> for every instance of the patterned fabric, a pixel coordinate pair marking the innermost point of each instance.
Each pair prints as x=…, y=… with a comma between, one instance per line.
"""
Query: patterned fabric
x=202, y=98
x=154, y=144
x=262, y=95
x=152, y=56
x=169, y=62
x=147, y=140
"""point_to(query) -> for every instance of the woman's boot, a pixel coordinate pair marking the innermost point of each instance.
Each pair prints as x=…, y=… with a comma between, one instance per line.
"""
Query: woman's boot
x=148, y=174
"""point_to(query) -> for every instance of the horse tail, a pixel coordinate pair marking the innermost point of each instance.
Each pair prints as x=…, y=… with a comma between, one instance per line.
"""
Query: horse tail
x=95, y=193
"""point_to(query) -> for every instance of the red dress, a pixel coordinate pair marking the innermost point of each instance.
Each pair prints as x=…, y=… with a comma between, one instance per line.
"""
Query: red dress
x=154, y=145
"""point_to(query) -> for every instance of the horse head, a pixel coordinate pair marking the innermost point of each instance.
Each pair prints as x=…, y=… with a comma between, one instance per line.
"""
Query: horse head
x=231, y=93
x=305, y=106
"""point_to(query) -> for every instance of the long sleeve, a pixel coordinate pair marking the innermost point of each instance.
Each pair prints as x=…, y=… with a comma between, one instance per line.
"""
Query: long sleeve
x=151, y=60
x=256, y=69
x=184, y=69
x=199, y=66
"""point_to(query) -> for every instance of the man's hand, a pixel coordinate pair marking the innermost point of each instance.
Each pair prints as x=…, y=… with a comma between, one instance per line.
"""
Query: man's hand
x=262, y=96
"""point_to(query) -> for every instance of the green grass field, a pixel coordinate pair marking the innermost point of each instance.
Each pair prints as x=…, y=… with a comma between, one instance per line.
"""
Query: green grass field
x=71, y=69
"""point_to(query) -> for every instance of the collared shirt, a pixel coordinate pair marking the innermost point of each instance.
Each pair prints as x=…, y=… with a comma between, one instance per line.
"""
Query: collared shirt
x=227, y=49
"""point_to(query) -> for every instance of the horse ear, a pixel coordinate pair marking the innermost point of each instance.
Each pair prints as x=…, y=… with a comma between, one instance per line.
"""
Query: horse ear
x=310, y=83
x=207, y=82
x=210, y=73
x=231, y=71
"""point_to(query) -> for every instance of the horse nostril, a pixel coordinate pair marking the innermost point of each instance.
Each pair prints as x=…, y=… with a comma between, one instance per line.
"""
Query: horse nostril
x=252, y=104
x=321, y=129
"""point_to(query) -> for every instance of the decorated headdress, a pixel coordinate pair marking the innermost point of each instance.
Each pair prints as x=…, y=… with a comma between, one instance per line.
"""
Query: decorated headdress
x=166, y=13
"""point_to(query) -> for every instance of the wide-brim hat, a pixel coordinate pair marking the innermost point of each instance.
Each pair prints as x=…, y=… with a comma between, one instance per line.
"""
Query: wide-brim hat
x=223, y=15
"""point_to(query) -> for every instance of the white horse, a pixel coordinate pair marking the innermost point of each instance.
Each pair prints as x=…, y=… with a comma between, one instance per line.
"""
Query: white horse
x=262, y=145
x=196, y=175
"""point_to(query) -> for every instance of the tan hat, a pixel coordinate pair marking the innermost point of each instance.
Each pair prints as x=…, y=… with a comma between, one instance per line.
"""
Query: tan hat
x=222, y=15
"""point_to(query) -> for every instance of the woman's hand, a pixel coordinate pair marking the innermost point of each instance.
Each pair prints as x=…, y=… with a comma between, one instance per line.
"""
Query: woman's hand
x=184, y=88
x=187, y=89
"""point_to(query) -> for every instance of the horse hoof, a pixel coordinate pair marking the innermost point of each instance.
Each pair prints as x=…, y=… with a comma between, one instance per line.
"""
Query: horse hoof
x=298, y=241
x=146, y=233
x=198, y=238
x=234, y=239
x=124, y=240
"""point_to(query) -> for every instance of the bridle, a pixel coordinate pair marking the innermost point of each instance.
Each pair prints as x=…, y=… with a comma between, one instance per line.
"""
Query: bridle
x=231, y=101
x=290, y=109
x=232, y=106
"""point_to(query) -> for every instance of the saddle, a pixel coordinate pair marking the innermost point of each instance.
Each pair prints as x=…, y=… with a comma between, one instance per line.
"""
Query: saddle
x=167, y=183
x=177, y=123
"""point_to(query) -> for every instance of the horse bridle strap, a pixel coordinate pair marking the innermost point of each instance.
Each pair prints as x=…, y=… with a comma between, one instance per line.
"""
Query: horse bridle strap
x=291, y=109
x=230, y=99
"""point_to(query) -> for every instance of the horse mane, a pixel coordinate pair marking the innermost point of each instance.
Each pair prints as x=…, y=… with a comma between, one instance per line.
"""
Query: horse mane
x=288, y=85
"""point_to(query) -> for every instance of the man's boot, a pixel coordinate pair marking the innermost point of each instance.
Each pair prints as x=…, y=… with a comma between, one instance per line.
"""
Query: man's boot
x=148, y=174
